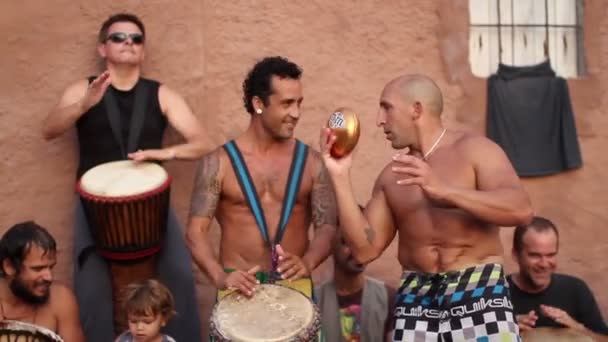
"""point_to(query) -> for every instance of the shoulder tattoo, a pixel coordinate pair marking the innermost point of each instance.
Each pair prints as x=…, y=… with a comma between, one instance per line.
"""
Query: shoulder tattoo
x=324, y=211
x=207, y=188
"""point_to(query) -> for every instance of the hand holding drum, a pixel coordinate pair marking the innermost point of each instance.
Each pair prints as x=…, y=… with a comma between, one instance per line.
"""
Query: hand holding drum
x=344, y=124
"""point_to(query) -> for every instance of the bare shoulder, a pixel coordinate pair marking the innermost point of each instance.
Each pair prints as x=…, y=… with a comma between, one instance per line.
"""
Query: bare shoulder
x=213, y=163
x=315, y=155
x=166, y=93
x=315, y=169
x=66, y=312
x=386, y=177
x=61, y=296
x=61, y=291
x=217, y=153
x=315, y=160
x=476, y=146
x=208, y=184
x=169, y=98
x=491, y=164
x=323, y=202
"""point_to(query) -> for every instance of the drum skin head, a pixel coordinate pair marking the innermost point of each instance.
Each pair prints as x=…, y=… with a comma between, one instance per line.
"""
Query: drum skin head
x=123, y=178
x=274, y=313
x=14, y=331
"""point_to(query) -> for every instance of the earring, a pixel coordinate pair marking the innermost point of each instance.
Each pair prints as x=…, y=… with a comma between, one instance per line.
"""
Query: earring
x=259, y=111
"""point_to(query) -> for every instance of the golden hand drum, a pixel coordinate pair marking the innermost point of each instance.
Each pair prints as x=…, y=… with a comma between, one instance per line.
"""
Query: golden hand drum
x=345, y=125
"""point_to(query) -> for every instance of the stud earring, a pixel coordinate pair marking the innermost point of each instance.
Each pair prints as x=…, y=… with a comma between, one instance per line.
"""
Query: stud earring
x=259, y=111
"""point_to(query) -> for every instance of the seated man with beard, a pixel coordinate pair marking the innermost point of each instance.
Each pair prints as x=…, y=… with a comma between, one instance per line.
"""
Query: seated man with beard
x=27, y=291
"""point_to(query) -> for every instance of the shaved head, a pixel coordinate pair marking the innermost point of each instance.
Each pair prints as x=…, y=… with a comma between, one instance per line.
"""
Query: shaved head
x=410, y=105
x=419, y=88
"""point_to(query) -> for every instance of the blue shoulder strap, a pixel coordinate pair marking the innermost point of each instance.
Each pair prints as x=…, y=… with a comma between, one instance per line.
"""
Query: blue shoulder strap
x=248, y=187
x=293, y=186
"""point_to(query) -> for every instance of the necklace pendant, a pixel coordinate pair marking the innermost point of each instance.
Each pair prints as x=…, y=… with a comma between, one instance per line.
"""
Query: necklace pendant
x=428, y=153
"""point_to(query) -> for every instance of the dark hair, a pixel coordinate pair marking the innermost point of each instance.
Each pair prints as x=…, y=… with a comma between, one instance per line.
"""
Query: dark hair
x=120, y=18
x=258, y=82
x=148, y=297
x=19, y=239
x=538, y=224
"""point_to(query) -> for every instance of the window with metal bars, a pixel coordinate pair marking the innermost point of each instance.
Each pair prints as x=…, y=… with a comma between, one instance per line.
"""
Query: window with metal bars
x=526, y=32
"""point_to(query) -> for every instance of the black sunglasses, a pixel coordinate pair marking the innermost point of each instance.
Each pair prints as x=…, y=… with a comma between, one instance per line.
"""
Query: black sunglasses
x=119, y=37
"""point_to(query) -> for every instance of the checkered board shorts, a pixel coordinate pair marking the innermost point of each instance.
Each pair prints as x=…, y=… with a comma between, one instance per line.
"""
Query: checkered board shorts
x=472, y=304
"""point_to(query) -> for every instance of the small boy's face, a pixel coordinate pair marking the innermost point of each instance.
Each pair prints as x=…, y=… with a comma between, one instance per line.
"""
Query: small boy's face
x=145, y=328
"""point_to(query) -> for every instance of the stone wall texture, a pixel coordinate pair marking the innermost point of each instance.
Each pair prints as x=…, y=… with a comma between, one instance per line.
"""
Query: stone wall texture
x=348, y=50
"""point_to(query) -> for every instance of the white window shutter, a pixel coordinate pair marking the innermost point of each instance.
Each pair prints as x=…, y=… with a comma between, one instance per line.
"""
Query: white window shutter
x=523, y=45
x=563, y=42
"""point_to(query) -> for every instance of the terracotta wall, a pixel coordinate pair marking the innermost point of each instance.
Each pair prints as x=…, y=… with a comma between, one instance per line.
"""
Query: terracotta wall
x=348, y=50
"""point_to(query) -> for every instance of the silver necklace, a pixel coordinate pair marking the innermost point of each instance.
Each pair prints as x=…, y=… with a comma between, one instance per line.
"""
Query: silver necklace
x=434, y=145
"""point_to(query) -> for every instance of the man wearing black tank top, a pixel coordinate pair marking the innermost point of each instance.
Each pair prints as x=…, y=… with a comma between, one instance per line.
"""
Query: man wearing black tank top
x=102, y=139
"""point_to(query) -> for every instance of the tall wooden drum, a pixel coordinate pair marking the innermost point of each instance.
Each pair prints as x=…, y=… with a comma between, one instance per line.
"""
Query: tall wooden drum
x=126, y=204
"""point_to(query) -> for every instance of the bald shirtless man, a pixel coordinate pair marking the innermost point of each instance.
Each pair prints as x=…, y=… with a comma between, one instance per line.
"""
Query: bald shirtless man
x=265, y=188
x=446, y=195
x=27, y=291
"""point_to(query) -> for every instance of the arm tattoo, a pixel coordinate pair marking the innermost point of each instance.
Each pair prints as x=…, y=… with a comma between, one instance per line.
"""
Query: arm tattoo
x=207, y=188
x=323, y=204
x=370, y=234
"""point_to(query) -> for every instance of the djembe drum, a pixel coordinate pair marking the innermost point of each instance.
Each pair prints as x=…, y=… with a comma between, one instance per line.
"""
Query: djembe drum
x=14, y=331
x=126, y=204
x=545, y=334
x=274, y=313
